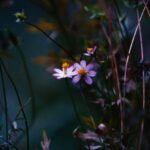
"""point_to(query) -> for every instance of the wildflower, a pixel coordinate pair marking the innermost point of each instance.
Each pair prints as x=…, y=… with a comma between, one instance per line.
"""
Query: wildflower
x=66, y=72
x=85, y=71
x=90, y=51
x=20, y=16
x=46, y=142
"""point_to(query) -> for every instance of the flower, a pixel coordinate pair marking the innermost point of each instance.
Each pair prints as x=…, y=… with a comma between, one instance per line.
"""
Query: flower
x=85, y=71
x=66, y=72
x=90, y=51
x=20, y=16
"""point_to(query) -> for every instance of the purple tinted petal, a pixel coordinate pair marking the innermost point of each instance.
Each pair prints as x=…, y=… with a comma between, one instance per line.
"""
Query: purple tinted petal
x=87, y=54
x=77, y=66
x=83, y=63
x=71, y=68
x=94, y=49
x=92, y=73
x=58, y=70
x=88, y=80
x=90, y=66
x=76, y=79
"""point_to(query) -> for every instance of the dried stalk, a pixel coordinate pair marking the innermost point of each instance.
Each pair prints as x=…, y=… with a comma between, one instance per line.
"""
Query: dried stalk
x=143, y=83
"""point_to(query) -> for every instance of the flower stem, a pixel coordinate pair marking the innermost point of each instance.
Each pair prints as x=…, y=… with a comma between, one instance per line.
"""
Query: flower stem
x=19, y=101
x=51, y=39
x=28, y=79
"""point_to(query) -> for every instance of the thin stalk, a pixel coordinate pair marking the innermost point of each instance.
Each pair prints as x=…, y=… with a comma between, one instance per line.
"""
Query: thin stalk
x=143, y=83
x=146, y=8
x=129, y=51
x=116, y=78
x=5, y=103
x=51, y=39
x=88, y=109
x=73, y=102
x=118, y=15
x=28, y=79
x=19, y=101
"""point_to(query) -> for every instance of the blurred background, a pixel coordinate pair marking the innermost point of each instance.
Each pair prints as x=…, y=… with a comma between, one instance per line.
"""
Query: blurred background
x=67, y=23
x=53, y=107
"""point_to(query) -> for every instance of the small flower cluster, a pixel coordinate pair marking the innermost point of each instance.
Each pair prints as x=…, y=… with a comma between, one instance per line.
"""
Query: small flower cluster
x=77, y=72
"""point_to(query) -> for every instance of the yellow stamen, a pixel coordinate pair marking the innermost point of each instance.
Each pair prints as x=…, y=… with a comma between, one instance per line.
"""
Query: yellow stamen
x=82, y=71
x=90, y=50
x=65, y=66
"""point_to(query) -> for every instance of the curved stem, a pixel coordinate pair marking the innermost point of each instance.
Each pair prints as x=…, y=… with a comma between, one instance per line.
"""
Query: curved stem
x=28, y=79
x=19, y=101
x=51, y=39
x=5, y=103
x=129, y=51
x=143, y=82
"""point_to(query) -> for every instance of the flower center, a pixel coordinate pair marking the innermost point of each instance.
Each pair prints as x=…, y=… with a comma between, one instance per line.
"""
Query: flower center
x=65, y=66
x=82, y=71
x=90, y=50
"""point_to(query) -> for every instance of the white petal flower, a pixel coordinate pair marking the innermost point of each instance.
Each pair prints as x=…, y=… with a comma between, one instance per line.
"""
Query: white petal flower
x=66, y=72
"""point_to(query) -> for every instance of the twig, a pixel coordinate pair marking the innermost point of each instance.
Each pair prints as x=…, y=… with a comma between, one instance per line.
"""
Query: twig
x=143, y=82
x=129, y=51
x=146, y=8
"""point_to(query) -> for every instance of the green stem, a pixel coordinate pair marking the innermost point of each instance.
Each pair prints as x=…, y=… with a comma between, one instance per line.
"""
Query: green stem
x=19, y=101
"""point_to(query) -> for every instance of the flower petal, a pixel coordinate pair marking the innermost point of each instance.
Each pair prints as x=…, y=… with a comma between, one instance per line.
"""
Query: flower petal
x=83, y=63
x=71, y=68
x=87, y=54
x=58, y=70
x=88, y=80
x=76, y=79
x=77, y=66
x=56, y=74
x=92, y=73
x=90, y=66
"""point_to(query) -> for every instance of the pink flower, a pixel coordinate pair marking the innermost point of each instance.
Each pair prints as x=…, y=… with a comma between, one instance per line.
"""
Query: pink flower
x=90, y=51
x=84, y=71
